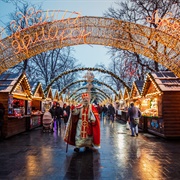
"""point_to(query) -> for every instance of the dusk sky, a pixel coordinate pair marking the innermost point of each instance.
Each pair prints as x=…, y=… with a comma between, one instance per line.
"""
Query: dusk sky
x=89, y=55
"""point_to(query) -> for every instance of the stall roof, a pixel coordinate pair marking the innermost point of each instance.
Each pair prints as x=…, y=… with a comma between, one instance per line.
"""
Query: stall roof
x=120, y=94
x=55, y=94
x=113, y=97
x=37, y=88
x=49, y=94
x=167, y=81
x=162, y=81
x=136, y=88
x=126, y=93
x=8, y=80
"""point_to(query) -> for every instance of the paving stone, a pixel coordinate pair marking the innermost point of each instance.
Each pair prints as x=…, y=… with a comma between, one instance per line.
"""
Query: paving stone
x=36, y=155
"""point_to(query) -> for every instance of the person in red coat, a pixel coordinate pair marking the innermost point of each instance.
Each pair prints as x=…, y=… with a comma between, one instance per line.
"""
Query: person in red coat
x=83, y=128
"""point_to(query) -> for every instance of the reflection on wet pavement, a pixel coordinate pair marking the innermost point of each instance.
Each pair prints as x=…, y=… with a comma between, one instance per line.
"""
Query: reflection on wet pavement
x=37, y=155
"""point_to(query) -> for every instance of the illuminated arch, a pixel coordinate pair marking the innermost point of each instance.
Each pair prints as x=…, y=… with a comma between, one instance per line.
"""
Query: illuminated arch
x=76, y=82
x=105, y=95
x=100, y=94
x=78, y=97
x=152, y=43
x=79, y=100
x=89, y=69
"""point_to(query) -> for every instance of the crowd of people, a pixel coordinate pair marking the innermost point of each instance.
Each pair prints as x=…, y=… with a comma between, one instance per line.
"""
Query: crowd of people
x=82, y=122
x=59, y=114
x=110, y=112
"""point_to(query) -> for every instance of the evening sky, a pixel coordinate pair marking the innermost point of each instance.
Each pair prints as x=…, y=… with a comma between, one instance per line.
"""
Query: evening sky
x=88, y=55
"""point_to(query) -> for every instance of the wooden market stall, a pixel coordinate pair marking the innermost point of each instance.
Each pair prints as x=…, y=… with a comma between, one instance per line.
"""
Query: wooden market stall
x=15, y=94
x=37, y=99
x=161, y=105
x=135, y=97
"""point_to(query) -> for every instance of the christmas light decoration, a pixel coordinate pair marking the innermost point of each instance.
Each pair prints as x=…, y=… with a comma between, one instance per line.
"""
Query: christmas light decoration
x=96, y=81
x=89, y=69
x=155, y=44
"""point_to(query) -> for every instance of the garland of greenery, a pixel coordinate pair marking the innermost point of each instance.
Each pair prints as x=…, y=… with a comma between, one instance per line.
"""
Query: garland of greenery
x=104, y=94
x=88, y=69
x=96, y=81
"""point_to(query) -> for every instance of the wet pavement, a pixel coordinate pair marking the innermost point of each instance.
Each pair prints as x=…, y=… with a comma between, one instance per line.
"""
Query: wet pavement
x=41, y=156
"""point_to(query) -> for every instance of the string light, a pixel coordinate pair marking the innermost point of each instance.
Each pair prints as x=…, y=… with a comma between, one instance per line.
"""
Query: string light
x=90, y=30
x=39, y=89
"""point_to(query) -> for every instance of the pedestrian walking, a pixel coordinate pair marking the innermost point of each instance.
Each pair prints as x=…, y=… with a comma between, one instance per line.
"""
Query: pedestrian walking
x=104, y=111
x=58, y=115
x=111, y=112
x=133, y=117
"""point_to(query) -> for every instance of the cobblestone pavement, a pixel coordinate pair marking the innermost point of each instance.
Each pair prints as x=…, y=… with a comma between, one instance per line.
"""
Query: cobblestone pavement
x=42, y=156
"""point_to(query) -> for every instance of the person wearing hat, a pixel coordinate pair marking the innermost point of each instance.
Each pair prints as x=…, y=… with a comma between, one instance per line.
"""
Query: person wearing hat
x=83, y=128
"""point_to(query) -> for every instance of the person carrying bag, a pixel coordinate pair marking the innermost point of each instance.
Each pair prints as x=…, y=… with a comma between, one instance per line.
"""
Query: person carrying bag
x=134, y=115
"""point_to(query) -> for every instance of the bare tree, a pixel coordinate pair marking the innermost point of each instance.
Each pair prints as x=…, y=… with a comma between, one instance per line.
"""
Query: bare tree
x=12, y=1
x=19, y=19
x=45, y=66
x=48, y=65
x=137, y=11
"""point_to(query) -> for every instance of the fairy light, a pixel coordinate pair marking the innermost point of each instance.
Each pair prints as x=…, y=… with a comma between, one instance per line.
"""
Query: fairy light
x=24, y=84
x=49, y=95
x=167, y=24
x=54, y=33
x=126, y=94
x=39, y=93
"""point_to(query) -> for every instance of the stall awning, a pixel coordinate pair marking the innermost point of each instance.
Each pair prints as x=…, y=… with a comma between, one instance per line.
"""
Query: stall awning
x=36, y=98
x=23, y=97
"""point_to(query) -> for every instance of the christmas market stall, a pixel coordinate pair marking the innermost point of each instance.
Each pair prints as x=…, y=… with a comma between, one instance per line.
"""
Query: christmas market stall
x=126, y=102
x=160, y=104
x=15, y=95
x=135, y=97
x=37, y=99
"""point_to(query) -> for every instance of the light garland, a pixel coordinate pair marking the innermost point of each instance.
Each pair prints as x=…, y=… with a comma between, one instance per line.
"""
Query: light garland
x=56, y=96
x=49, y=94
x=102, y=92
x=90, y=30
x=89, y=69
x=168, y=24
x=151, y=80
x=94, y=81
x=22, y=81
x=126, y=94
x=39, y=88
